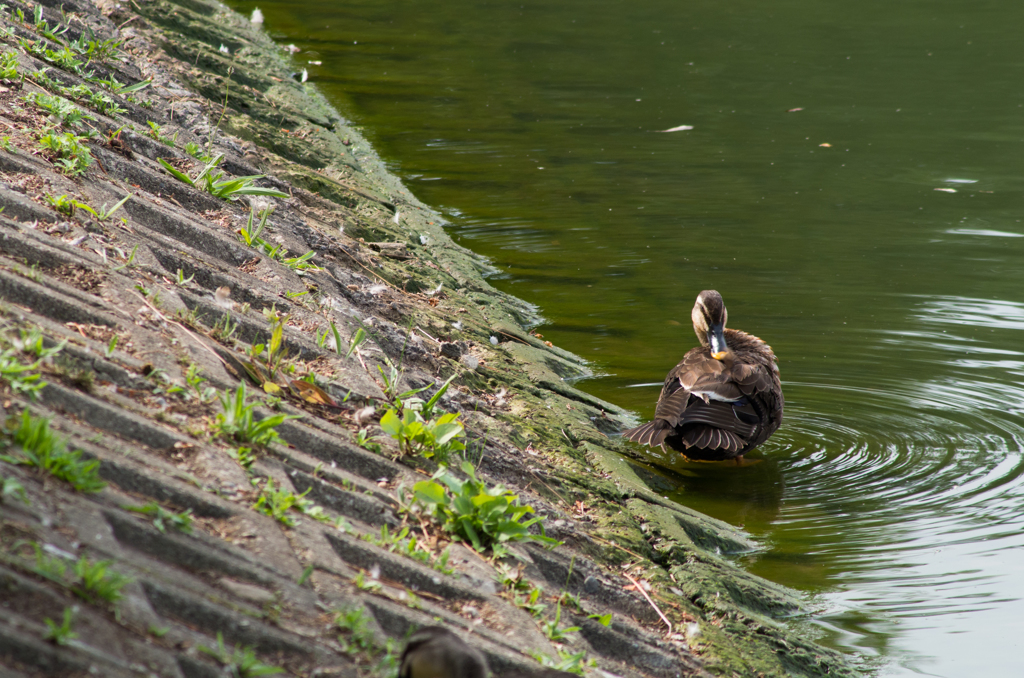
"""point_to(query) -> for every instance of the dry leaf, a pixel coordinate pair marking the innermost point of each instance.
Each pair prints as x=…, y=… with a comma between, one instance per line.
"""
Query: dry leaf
x=312, y=393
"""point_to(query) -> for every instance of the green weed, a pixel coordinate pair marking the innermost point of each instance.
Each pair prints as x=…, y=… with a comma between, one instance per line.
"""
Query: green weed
x=428, y=437
x=114, y=86
x=531, y=602
x=129, y=260
x=551, y=630
x=223, y=328
x=11, y=487
x=162, y=518
x=266, y=369
x=103, y=213
x=62, y=204
x=9, y=66
x=33, y=342
x=104, y=104
x=196, y=151
x=364, y=584
x=355, y=623
x=145, y=103
x=60, y=634
x=67, y=206
x=241, y=662
x=244, y=456
x=39, y=448
x=100, y=101
x=189, y=318
x=50, y=567
x=277, y=501
x=20, y=377
x=358, y=641
x=156, y=132
x=226, y=189
x=357, y=340
x=566, y=661
x=52, y=32
x=405, y=543
x=251, y=235
x=238, y=423
x=471, y=511
x=182, y=280
x=416, y=431
x=570, y=599
x=366, y=441
x=70, y=155
x=5, y=143
x=43, y=79
x=96, y=50
x=95, y=583
x=194, y=379
x=162, y=382
x=301, y=264
x=322, y=336
x=60, y=108
x=64, y=58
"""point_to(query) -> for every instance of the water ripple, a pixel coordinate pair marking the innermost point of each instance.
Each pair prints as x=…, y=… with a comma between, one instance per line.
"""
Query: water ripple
x=915, y=500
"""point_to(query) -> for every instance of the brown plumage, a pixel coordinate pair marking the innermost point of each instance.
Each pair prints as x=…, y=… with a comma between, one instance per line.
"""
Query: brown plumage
x=436, y=652
x=724, y=398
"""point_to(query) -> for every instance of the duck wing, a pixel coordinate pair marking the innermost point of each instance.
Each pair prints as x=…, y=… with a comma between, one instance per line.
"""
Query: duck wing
x=713, y=404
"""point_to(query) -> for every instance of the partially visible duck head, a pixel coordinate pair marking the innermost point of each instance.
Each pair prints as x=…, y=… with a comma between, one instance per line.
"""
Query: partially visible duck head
x=709, y=317
x=436, y=652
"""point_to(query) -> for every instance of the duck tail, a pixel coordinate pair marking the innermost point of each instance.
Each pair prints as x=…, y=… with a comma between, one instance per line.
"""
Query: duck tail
x=652, y=433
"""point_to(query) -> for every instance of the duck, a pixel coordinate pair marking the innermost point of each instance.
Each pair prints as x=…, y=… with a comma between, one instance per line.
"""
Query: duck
x=723, y=399
x=436, y=652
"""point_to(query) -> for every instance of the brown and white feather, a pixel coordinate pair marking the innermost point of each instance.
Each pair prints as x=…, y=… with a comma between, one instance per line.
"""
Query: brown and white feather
x=694, y=414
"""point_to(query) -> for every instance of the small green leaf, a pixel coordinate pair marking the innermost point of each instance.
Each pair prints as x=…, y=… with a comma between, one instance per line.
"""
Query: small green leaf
x=178, y=174
x=429, y=491
x=391, y=424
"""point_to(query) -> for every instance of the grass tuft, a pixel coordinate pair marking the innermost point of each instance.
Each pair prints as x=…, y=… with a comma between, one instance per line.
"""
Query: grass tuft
x=238, y=423
x=240, y=662
x=38, y=447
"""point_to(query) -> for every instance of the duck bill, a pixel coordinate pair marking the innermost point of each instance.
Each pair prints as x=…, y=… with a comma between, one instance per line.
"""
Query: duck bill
x=716, y=337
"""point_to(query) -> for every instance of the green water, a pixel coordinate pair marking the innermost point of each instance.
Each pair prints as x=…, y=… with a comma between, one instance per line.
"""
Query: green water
x=893, y=493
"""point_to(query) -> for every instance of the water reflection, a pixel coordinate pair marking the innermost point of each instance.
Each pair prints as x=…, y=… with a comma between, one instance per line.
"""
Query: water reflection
x=974, y=312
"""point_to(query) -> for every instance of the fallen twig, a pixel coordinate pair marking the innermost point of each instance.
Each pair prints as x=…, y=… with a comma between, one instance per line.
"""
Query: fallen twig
x=167, y=320
x=648, y=599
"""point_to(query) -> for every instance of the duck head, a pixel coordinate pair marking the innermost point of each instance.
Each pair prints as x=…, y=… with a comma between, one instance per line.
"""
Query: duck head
x=709, y=317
